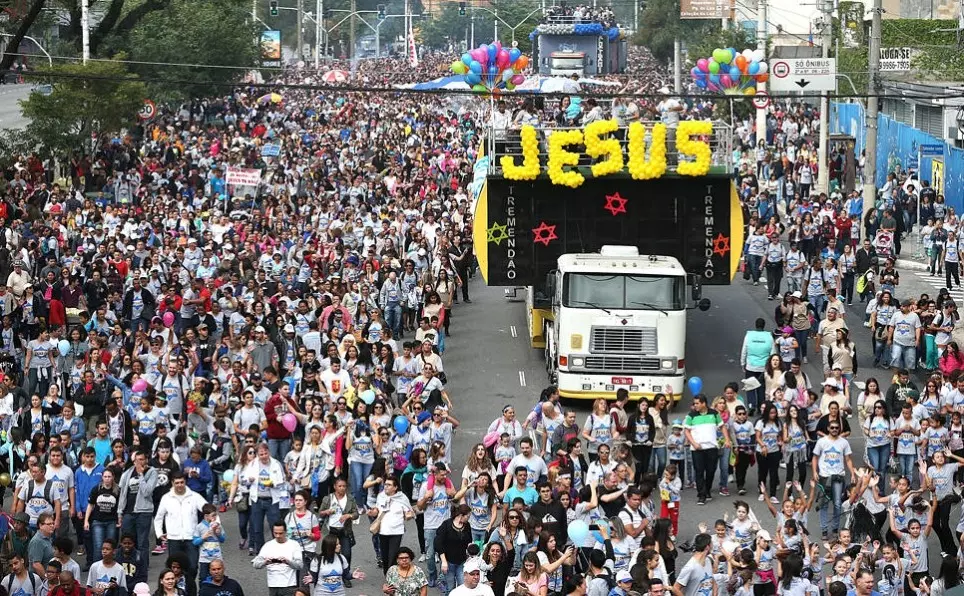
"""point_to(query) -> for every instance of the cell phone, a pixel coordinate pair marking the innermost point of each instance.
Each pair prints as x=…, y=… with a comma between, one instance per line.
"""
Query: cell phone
x=593, y=527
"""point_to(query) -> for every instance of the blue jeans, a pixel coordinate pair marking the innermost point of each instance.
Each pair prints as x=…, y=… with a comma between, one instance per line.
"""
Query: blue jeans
x=453, y=577
x=907, y=461
x=99, y=530
x=903, y=356
x=393, y=318
x=828, y=523
x=724, y=467
x=259, y=510
x=879, y=457
x=139, y=524
x=244, y=518
x=357, y=472
x=430, y=554
x=754, y=262
x=480, y=536
x=279, y=448
x=658, y=460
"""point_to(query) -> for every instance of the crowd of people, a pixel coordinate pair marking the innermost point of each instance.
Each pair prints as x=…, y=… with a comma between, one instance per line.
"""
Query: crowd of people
x=175, y=350
x=580, y=13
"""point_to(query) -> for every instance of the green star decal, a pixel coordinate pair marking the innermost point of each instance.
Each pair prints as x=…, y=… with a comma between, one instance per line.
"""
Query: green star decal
x=497, y=233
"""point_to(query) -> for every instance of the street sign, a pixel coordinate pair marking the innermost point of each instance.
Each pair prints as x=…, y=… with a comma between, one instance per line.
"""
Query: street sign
x=761, y=100
x=147, y=111
x=931, y=150
x=804, y=74
x=702, y=9
x=895, y=59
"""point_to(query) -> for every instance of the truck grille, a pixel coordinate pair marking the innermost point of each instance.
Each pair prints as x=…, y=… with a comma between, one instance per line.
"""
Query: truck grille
x=622, y=340
x=622, y=363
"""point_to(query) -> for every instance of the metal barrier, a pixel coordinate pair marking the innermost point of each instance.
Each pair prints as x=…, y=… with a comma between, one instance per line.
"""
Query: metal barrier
x=508, y=142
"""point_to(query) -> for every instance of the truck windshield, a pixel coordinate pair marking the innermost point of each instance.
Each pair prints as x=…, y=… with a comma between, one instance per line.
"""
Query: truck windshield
x=635, y=292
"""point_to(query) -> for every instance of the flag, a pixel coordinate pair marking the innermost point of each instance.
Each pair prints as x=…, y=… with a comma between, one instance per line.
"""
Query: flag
x=412, y=53
x=810, y=37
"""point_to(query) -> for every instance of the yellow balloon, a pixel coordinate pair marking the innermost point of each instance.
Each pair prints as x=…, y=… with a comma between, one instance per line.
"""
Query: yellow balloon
x=749, y=91
x=5, y=479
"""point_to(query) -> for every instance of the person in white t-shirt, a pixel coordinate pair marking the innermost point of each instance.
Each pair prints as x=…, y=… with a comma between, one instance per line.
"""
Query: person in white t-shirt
x=335, y=379
x=471, y=582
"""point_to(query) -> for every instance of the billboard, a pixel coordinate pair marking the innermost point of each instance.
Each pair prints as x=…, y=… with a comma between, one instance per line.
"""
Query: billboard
x=528, y=225
x=271, y=48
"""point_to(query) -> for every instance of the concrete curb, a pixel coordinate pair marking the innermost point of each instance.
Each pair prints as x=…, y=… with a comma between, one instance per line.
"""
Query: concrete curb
x=908, y=265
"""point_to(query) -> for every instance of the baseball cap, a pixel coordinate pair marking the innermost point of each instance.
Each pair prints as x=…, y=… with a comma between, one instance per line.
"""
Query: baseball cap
x=255, y=376
x=289, y=328
x=623, y=576
x=797, y=294
x=259, y=329
x=471, y=566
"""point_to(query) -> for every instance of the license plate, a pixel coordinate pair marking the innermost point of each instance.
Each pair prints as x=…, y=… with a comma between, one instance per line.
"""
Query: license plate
x=622, y=380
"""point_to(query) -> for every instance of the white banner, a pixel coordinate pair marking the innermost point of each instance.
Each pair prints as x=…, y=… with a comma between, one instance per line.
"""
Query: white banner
x=243, y=177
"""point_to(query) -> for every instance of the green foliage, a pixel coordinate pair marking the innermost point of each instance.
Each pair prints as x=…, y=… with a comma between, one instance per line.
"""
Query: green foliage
x=702, y=46
x=448, y=25
x=99, y=98
x=216, y=32
x=660, y=25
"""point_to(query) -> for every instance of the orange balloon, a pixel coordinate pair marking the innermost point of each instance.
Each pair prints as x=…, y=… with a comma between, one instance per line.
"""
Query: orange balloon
x=521, y=63
x=741, y=63
x=762, y=78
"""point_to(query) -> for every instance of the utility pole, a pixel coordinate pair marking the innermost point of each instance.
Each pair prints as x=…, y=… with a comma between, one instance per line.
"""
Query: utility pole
x=495, y=25
x=822, y=174
x=84, y=29
x=677, y=67
x=301, y=30
x=635, y=15
x=351, y=32
x=472, y=40
x=319, y=7
x=870, y=167
x=761, y=44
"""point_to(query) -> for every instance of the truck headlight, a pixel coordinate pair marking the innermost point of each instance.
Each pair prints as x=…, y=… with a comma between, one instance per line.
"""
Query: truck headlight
x=578, y=361
x=667, y=364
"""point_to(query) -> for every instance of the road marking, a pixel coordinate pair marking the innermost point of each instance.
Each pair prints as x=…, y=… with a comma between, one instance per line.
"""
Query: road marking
x=513, y=331
x=522, y=378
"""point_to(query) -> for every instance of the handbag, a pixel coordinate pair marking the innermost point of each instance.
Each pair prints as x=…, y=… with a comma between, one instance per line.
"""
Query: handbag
x=242, y=505
x=377, y=524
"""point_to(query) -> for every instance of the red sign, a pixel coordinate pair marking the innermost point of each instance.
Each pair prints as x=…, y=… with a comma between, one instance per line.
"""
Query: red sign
x=622, y=380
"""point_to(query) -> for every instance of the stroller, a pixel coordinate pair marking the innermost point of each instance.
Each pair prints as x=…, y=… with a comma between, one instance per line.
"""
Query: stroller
x=884, y=243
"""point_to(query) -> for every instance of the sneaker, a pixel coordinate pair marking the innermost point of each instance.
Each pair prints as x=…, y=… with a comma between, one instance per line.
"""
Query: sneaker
x=700, y=502
x=421, y=559
x=741, y=491
x=760, y=498
x=243, y=544
x=756, y=283
x=222, y=509
x=783, y=465
x=347, y=582
x=731, y=480
x=775, y=500
x=251, y=552
x=431, y=583
x=159, y=550
x=805, y=360
x=724, y=492
x=763, y=279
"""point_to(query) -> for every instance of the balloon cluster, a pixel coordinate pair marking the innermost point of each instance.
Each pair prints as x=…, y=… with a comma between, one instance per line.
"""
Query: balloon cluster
x=639, y=167
x=730, y=72
x=492, y=68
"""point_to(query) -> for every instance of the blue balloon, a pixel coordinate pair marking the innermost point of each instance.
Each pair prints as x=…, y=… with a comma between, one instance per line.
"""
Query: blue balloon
x=578, y=530
x=715, y=79
x=701, y=83
x=733, y=53
x=754, y=68
x=514, y=54
x=735, y=72
x=492, y=51
x=467, y=59
x=598, y=537
x=227, y=476
x=63, y=346
x=695, y=384
x=401, y=425
x=473, y=78
x=475, y=67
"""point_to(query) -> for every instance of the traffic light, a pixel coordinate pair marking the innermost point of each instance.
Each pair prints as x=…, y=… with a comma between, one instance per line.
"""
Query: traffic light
x=381, y=12
x=461, y=9
x=273, y=8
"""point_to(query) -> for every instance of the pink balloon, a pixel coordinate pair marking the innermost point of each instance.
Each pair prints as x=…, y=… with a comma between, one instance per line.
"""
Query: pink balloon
x=168, y=319
x=139, y=385
x=703, y=65
x=502, y=60
x=726, y=82
x=517, y=80
x=289, y=422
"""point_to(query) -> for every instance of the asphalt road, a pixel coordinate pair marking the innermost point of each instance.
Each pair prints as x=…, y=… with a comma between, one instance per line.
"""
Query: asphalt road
x=490, y=364
x=10, y=95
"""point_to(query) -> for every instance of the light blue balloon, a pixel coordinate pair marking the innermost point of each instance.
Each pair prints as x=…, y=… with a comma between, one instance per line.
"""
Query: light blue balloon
x=475, y=67
x=63, y=346
x=227, y=476
x=401, y=425
x=754, y=68
x=473, y=78
x=578, y=530
x=368, y=396
x=735, y=72
x=467, y=59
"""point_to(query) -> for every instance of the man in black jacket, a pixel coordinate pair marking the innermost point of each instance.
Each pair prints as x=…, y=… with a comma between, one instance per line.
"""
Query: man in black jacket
x=219, y=584
x=866, y=260
x=452, y=540
x=550, y=511
x=146, y=305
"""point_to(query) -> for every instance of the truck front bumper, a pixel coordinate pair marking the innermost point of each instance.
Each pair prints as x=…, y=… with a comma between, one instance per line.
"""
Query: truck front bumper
x=604, y=385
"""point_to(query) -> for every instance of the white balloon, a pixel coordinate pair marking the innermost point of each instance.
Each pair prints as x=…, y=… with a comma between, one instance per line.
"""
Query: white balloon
x=758, y=55
x=763, y=67
x=748, y=54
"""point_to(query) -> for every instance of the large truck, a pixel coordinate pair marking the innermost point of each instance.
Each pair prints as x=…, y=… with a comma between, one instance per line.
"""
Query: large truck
x=618, y=320
x=610, y=269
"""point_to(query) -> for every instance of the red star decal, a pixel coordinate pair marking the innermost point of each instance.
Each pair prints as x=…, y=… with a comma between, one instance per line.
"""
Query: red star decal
x=721, y=245
x=544, y=234
x=615, y=204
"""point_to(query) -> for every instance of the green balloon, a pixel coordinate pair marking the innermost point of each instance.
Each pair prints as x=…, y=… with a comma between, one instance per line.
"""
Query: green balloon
x=480, y=88
x=459, y=67
x=714, y=66
x=721, y=56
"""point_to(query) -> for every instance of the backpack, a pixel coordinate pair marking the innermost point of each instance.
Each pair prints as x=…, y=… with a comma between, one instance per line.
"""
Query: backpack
x=47, y=496
x=608, y=578
x=8, y=582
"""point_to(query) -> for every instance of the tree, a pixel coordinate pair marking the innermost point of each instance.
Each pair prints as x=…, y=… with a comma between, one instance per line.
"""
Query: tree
x=25, y=22
x=216, y=32
x=660, y=25
x=98, y=98
x=703, y=46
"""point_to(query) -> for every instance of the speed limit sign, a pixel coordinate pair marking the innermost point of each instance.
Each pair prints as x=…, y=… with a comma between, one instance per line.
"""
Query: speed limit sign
x=147, y=111
x=761, y=100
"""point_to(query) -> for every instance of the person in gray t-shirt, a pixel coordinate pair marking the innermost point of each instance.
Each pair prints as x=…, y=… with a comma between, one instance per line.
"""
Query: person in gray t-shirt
x=696, y=578
x=905, y=335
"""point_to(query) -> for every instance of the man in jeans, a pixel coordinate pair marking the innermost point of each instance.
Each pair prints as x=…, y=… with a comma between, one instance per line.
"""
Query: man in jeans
x=135, y=507
x=703, y=428
x=391, y=301
x=434, y=501
x=831, y=457
x=905, y=335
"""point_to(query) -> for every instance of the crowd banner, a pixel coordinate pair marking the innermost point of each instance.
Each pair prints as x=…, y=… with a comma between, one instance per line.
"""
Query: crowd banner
x=243, y=176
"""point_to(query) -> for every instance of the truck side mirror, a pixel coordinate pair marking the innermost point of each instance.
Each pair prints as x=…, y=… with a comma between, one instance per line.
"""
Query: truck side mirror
x=551, y=287
x=696, y=288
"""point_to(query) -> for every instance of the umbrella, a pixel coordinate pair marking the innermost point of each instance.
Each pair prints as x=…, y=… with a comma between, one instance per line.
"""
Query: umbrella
x=270, y=98
x=335, y=76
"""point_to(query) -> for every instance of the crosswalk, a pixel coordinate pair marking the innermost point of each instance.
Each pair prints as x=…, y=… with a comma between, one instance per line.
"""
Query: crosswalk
x=937, y=282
